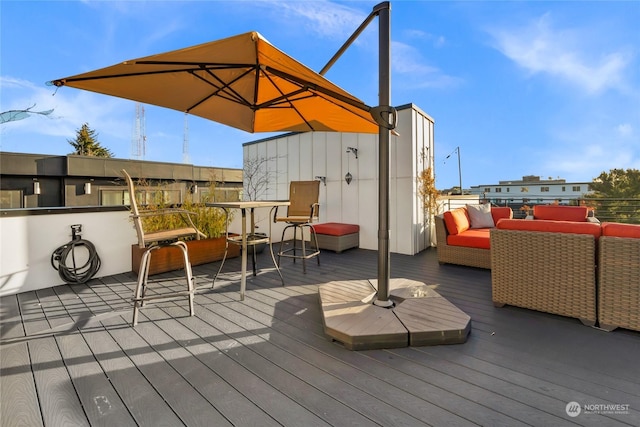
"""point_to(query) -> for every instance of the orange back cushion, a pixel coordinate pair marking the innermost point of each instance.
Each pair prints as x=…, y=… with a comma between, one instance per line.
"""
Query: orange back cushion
x=616, y=229
x=500, y=212
x=456, y=220
x=551, y=226
x=560, y=213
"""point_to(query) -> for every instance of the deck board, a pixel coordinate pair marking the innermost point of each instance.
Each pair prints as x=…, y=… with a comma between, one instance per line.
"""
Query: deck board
x=187, y=403
x=18, y=396
x=100, y=401
x=144, y=403
x=58, y=399
x=70, y=356
x=254, y=350
x=339, y=394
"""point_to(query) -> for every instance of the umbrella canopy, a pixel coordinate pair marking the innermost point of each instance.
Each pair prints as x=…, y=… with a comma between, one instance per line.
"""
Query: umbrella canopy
x=241, y=81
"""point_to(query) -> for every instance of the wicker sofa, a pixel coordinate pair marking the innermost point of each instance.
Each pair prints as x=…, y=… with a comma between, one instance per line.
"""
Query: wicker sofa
x=549, y=263
x=619, y=276
x=458, y=243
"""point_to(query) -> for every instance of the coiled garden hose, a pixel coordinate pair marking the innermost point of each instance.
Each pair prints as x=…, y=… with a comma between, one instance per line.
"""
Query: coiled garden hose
x=74, y=274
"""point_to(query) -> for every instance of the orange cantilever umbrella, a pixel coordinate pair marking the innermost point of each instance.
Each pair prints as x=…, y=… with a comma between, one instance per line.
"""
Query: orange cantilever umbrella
x=241, y=81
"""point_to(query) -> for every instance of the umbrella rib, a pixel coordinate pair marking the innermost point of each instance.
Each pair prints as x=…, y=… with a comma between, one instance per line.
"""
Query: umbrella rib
x=302, y=82
x=216, y=66
x=226, y=89
x=285, y=98
x=62, y=82
x=199, y=65
x=313, y=92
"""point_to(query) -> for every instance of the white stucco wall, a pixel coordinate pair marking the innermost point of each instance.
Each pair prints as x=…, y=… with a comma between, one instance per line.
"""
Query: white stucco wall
x=304, y=156
x=28, y=242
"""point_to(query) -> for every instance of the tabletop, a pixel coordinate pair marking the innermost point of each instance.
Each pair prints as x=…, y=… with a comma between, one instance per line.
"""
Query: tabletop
x=249, y=204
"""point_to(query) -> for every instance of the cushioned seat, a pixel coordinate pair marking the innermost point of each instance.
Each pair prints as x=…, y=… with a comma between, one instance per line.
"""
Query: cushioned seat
x=336, y=228
x=337, y=237
x=463, y=234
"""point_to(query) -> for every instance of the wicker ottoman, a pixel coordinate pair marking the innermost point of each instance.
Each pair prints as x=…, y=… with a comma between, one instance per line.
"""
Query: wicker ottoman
x=337, y=237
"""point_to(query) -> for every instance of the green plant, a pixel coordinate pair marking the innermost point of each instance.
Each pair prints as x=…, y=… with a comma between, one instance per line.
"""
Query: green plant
x=211, y=221
x=427, y=187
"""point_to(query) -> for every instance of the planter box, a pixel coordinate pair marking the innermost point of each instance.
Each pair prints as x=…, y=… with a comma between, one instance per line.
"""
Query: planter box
x=170, y=258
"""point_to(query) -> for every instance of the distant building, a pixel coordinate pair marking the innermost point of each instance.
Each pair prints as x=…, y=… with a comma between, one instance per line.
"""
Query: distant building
x=40, y=180
x=532, y=190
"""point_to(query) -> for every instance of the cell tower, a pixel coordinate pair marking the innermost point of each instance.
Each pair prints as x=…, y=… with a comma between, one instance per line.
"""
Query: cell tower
x=185, y=141
x=139, y=138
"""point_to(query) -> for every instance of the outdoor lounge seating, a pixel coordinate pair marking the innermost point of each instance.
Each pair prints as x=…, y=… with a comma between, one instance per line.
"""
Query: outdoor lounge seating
x=548, y=263
x=458, y=242
x=619, y=276
x=152, y=241
x=547, y=266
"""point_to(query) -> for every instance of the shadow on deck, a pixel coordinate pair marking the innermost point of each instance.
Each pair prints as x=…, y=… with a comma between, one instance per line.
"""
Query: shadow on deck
x=70, y=357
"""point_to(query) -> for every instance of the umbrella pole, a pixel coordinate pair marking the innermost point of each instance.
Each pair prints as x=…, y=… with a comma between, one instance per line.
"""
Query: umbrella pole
x=384, y=95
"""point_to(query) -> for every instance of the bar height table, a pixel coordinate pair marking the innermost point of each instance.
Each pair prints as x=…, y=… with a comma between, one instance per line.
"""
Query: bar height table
x=248, y=236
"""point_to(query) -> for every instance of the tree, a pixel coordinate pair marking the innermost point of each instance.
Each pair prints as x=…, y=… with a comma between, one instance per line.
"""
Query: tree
x=86, y=143
x=257, y=177
x=617, y=183
x=615, y=193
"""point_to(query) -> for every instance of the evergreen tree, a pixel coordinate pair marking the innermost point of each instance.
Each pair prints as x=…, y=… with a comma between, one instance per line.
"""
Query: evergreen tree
x=86, y=143
x=615, y=194
x=617, y=183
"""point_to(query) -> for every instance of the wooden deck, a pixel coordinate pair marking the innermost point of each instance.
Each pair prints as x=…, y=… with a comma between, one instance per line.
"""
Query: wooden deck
x=70, y=358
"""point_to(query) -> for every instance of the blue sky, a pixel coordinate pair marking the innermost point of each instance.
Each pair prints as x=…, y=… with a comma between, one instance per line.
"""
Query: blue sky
x=523, y=88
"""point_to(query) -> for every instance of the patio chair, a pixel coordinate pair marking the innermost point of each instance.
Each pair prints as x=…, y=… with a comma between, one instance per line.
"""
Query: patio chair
x=302, y=211
x=151, y=241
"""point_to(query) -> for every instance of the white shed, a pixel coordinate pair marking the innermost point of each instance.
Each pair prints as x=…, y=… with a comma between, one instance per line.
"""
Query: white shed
x=307, y=156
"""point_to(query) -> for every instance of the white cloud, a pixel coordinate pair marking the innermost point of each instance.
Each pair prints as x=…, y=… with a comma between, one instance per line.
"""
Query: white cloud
x=408, y=61
x=563, y=53
x=624, y=129
x=583, y=150
x=71, y=108
x=325, y=18
x=436, y=41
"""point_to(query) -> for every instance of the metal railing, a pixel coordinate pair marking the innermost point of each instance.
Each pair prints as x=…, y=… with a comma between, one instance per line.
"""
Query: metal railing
x=625, y=210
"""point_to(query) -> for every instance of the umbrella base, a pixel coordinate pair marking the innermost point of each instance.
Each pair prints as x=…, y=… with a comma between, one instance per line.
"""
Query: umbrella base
x=419, y=317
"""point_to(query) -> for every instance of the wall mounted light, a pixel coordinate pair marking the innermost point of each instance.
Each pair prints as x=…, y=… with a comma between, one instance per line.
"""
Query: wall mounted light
x=36, y=187
x=353, y=150
x=194, y=189
x=323, y=179
x=87, y=188
x=348, y=177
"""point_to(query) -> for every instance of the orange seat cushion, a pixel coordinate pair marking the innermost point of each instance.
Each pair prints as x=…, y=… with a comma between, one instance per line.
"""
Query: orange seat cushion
x=336, y=229
x=456, y=220
x=560, y=213
x=472, y=238
x=616, y=229
x=551, y=226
